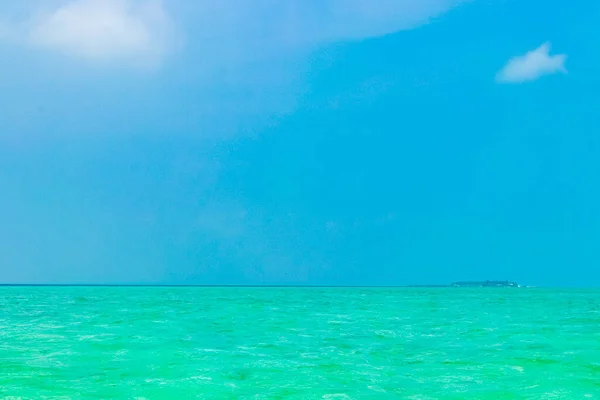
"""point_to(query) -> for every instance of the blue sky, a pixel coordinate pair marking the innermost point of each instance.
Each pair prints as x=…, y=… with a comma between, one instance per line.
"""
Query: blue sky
x=301, y=142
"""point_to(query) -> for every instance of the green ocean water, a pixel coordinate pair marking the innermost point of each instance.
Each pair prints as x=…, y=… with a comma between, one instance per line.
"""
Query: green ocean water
x=293, y=343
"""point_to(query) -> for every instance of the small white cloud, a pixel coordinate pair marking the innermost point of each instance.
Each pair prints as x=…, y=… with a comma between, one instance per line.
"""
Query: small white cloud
x=105, y=30
x=532, y=66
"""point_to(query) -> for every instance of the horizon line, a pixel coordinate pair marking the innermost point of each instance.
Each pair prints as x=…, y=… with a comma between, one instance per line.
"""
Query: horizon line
x=407, y=286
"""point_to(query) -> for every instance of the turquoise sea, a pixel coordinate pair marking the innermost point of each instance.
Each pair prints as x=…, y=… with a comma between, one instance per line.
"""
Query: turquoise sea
x=298, y=343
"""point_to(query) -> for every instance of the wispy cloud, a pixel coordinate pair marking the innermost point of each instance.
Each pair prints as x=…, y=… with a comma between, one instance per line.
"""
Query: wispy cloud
x=311, y=21
x=105, y=30
x=242, y=28
x=245, y=57
x=141, y=30
x=531, y=66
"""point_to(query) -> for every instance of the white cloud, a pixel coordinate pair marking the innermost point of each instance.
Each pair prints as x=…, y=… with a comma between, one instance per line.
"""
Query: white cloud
x=532, y=65
x=105, y=30
x=227, y=33
x=117, y=30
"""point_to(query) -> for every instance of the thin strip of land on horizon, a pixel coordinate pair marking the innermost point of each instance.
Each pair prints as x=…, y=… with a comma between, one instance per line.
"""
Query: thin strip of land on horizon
x=472, y=284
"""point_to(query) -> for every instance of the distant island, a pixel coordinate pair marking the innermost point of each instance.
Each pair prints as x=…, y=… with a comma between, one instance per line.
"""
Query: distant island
x=486, y=284
x=475, y=284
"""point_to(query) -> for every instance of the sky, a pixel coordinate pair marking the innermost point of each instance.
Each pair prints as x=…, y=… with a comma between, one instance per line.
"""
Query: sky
x=299, y=142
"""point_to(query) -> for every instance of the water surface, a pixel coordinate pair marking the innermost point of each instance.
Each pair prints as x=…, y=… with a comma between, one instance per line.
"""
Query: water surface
x=298, y=343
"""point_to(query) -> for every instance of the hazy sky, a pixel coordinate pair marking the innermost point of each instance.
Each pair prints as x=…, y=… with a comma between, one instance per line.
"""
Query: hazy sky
x=299, y=141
